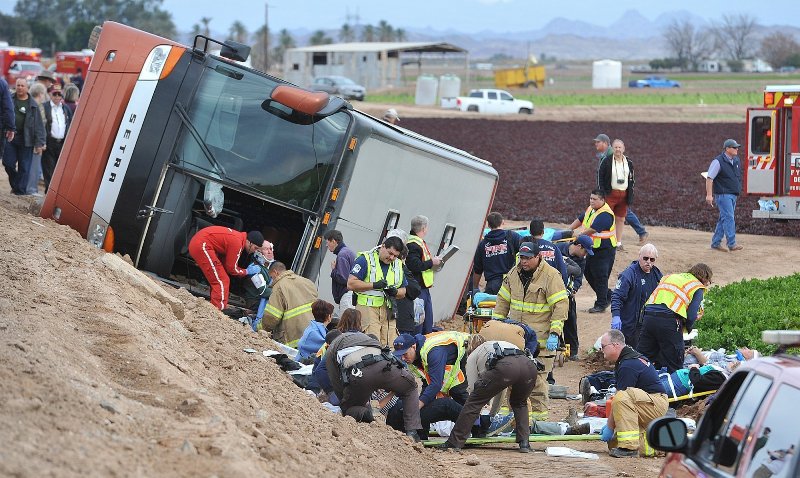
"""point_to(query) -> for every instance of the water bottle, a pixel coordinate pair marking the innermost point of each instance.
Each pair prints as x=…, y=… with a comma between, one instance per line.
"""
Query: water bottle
x=419, y=311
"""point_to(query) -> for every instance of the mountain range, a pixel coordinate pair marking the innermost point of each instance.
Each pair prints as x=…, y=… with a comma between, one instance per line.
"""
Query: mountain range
x=631, y=37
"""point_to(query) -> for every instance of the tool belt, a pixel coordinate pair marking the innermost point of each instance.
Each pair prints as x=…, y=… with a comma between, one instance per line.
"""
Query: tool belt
x=500, y=352
x=355, y=370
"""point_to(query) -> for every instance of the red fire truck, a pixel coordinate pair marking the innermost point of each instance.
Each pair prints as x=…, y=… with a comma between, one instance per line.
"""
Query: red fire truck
x=18, y=61
x=773, y=153
x=69, y=62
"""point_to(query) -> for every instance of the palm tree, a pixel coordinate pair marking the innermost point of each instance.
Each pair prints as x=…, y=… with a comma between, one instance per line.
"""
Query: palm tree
x=238, y=32
x=285, y=41
x=319, y=38
x=346, y=33
x=368, y=34
x=205, y=21
x=400, y=35
x=385, y=31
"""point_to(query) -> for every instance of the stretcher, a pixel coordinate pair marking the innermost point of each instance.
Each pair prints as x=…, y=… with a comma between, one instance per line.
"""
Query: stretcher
x=513, y=439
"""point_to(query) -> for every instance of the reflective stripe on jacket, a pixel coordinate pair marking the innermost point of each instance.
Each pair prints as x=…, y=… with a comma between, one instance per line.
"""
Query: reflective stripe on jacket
x=427, y=274
x=676, y=291
x=288, y=312
x=394, y=278
x=453, y=375
x=598, y=236
x=543, y=306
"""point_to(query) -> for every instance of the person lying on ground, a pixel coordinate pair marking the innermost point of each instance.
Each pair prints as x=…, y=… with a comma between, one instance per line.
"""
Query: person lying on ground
x=719, y=358
x=695, y=379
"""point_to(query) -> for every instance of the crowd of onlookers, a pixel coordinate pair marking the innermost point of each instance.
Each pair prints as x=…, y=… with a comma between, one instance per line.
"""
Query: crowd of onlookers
x=34, y=120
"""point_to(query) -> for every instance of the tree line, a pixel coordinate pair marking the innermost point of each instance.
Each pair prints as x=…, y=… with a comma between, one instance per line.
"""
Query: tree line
x=733, y=38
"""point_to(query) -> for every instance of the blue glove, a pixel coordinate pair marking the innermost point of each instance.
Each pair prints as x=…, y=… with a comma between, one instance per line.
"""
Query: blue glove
x=616, y=322
x=606, y=434
x=253, y=269
x=552, y=342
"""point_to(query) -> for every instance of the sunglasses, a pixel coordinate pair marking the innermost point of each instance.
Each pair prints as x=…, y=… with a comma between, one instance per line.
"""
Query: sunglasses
x=55, y=93
x=649, y=259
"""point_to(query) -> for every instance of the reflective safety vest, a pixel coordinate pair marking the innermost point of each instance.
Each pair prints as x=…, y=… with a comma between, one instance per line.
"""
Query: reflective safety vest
x=598, y=236
x=394, y=277
x=676, y=292
x=453, y=375
x=427, y=275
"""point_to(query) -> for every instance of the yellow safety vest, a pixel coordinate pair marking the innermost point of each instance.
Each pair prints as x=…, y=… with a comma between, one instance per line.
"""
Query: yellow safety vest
x=427, y=275
x=453, y=375
x=394, y=277
x=676, y=292
x=600, y=235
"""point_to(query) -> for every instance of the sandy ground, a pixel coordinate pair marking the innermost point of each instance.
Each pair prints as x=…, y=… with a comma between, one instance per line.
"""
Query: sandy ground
x=106, y=373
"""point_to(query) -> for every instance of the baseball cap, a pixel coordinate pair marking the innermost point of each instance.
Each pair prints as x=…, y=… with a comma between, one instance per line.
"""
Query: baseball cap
x=528, y=249
x=586, y=242
x=602, y=137
x=256, y=238
x=55, y=87
x=402, y=343
x=391, y=113
x=730, y=143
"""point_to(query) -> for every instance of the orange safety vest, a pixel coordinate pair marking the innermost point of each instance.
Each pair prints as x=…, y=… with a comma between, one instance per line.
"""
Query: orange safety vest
x=676, y=292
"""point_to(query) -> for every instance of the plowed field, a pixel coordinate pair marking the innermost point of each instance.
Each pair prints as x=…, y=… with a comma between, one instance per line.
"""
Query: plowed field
x=547, y=168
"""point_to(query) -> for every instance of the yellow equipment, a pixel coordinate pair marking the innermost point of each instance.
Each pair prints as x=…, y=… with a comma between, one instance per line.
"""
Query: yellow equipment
x=521, y=77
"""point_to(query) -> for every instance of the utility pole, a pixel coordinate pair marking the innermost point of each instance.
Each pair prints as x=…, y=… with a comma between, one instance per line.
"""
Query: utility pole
x=266, y=37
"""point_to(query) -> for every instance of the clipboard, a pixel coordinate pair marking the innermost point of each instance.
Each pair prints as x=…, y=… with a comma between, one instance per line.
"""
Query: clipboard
x=447, y=253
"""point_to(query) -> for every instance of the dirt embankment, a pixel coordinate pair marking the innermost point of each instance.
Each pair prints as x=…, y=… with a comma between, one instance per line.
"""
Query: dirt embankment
x=106, y=373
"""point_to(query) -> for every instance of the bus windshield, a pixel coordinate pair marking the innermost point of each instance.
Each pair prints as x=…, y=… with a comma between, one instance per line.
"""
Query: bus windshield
x=228, y=136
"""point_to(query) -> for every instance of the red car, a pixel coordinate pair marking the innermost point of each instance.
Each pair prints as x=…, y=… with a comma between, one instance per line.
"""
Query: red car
x=749, y=430
x=23, y=69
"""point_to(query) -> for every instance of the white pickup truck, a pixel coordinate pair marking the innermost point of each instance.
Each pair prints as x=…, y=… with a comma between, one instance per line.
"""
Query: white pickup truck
x=493, y=101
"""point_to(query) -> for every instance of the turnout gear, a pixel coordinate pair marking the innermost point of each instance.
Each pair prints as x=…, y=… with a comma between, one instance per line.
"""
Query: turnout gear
x=288, y=312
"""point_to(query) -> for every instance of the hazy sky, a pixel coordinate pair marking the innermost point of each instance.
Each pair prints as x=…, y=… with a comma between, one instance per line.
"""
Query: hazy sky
x=462, y=15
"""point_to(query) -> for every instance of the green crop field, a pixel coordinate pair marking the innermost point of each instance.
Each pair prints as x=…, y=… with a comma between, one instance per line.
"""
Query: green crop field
x=648, y=97
x=737, y=313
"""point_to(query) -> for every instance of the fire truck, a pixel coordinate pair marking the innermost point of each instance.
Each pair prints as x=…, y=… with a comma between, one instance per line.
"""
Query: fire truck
x=17, y=61
x=773, y=153
x=68, y=62
x=171, y=138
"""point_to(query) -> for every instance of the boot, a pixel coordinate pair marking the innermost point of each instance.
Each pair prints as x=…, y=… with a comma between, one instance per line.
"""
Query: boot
x=414, y=436
x=525, y=446
x=446, y=446
x=623, y=453
x=572, y=418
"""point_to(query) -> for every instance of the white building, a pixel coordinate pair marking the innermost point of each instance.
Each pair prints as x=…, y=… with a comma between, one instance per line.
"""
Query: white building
x=371, y=64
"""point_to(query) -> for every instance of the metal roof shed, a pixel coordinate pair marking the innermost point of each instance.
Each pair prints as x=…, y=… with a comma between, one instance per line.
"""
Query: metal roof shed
x=371, y=64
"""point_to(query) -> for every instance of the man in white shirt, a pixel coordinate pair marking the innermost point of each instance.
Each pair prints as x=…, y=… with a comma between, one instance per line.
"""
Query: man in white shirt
x=58, y=118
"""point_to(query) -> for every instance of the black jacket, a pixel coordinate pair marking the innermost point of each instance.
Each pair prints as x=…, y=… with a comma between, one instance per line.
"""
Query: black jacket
x=405, y=306
x=604, y=177
x=48, y=114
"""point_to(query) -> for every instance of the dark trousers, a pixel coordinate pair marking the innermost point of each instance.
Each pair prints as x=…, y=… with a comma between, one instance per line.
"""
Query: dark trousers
x=598, y=269
x=386, y=376
x=441, y=409
x=517, y=372
x=661, y=340
x=571, y=327
x=427, y=326
x=17, y=161
x=50, y=158
x=632, y=331
x=493, y=286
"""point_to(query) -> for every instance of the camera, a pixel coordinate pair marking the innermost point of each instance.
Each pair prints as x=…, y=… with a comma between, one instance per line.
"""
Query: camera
x=620, y=181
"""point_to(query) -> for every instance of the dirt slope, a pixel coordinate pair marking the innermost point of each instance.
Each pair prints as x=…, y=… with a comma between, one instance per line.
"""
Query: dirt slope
x=106, y=373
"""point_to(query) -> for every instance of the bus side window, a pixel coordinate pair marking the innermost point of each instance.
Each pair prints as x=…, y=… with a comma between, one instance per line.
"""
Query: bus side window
x=447, y=237
x=392, y=220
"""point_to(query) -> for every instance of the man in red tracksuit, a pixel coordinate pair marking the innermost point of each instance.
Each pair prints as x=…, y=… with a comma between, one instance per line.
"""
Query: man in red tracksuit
x=213, y=243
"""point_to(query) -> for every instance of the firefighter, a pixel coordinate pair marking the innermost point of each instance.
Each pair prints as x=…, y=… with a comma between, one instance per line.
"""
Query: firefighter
x=213, y=242
x=493, y=366
x=377, y=279
x=574, y=254
x=359, y=365
x=421, y=263
x=533, y=292
x=673, y=306
x=288, y=311
x=438, y=359
x=598, y=222
x=639, y=400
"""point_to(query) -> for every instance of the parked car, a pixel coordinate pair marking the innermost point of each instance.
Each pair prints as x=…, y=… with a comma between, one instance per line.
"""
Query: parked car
x=750, y=429
x=493, y=101
x=654, y=82
x=23, y=69
x=339, y=85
